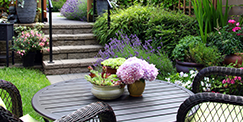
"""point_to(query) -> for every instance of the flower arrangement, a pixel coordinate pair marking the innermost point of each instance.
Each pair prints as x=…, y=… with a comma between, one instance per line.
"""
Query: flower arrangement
x=30, y=40
x=102, y=79
x=136, y=69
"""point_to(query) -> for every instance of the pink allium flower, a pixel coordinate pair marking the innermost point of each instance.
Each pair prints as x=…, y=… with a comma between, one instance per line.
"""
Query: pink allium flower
x=231, y=21
x=135, y=69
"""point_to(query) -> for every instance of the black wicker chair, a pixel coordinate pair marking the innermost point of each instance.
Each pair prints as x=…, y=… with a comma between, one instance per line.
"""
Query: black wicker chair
x=98, y=111
x=218, y=98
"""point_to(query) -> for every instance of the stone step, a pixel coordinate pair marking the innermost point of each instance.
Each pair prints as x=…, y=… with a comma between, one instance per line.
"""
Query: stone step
x=73, y=39
x=73, y=52
x=69, y=28
x=67, y=66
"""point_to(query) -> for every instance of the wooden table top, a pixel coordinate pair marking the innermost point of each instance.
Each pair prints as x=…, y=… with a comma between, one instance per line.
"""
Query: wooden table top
x=160, y=101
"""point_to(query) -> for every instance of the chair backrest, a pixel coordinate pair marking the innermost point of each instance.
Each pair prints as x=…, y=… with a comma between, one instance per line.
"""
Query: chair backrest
x=211, y=107
x=11, y=98
x=218, y=96
x=219, y=80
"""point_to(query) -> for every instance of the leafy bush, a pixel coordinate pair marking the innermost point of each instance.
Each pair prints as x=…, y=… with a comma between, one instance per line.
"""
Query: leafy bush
x=146, y=22
x=57, y=5
x=130, y=46
x=208, y=56
x=180, y=52
x=75, y=9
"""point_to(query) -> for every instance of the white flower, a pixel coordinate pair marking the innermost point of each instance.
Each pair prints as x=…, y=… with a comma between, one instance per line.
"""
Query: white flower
x=178, y=82
x=181, y=74
x=168, y=79
x=202, y=83
x=206, y=78
x=192, y=71
x=193, y=76
x=185, y=75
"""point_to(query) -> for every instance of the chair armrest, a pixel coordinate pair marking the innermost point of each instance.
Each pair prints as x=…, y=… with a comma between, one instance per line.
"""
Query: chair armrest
x=103, y=110
x=7, y=116
x=8, y=90
x=204, y=97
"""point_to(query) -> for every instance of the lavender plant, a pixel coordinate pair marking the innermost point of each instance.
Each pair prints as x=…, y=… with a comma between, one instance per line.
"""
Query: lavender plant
x=75, y=9
x=131, y=46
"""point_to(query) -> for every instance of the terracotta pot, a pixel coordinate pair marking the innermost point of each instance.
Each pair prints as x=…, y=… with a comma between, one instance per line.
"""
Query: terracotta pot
x=110, y=70
x=136, y=89
x=187, y=66
x=233, y=58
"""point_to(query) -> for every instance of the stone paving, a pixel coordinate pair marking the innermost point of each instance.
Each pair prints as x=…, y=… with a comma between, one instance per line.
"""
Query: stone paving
x=58, y=78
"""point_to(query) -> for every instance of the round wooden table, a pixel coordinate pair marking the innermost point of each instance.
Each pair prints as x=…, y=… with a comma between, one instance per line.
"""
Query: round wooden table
x=160, y=101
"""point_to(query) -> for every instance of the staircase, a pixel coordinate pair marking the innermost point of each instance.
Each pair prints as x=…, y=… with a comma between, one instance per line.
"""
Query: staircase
x=74, y=48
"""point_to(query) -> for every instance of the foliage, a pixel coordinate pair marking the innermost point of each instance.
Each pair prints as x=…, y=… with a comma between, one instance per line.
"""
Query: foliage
x=164, y=3
x=75, y=9
x=103, y=79
x=113, y=62
x=208, y=56
x=180, y=52
x=5, y=4
x=29, y=82
x=208, y=17
x=130, y=46
x=57, y=5
x=182, y=79
x=18, y=29
x=30, y=40
x=135, y=69
x=228, y=39
x=146, y=22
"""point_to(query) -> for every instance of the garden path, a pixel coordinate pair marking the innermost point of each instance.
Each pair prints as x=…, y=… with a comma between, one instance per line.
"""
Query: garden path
x=57, y=18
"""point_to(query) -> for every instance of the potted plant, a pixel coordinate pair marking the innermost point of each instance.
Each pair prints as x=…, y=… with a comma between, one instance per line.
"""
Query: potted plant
x=27, y=43
x=228, y=40
x=134, y=72
x=192, y=53
x=106, y=86
x=112, y=64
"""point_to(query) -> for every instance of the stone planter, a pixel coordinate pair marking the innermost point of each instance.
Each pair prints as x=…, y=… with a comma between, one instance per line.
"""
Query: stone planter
x=187, y=66
x=107, y=92
x=101, y=6
x=28, y=12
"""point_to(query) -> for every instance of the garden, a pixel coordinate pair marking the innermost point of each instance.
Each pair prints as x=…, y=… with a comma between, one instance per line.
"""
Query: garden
x=155, y=31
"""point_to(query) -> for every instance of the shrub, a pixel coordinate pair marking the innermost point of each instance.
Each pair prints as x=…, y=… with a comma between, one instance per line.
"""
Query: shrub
x=130, y=46
x=75, y=9
x=57, y=5
x=147, y=22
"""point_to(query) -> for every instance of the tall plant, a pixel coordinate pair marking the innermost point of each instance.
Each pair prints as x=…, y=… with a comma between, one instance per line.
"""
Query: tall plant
x=208, y=16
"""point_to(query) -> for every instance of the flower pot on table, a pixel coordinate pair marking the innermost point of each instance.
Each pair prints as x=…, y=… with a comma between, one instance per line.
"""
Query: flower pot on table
x=107, y=92
x=136, y=89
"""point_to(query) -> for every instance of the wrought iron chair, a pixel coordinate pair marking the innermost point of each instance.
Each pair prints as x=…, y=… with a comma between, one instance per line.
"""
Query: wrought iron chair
x=12, y=100
x=218, y=96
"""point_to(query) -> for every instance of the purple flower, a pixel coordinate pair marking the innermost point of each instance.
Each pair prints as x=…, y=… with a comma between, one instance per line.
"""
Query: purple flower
x=134, y=69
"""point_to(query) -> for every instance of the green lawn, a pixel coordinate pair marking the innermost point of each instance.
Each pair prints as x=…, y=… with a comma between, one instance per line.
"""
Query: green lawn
x=28, y=81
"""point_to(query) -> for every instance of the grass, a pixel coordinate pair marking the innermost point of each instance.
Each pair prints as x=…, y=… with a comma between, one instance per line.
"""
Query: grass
x=28, y=81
